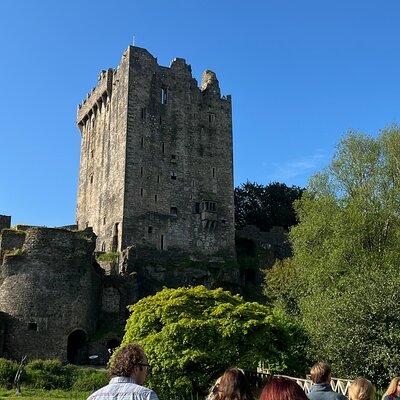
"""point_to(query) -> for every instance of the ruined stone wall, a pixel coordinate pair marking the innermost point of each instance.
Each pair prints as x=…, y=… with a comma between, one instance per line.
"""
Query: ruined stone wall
x=11, y=240
x=156, y=165
x=5, y=222
x=47, y=291
x=179, y=182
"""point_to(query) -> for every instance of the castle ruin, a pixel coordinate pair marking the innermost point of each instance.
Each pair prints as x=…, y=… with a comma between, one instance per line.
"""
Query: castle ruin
x=155, y=183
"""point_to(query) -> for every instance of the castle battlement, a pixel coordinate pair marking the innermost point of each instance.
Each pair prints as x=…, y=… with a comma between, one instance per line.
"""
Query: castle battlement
x=96, y=99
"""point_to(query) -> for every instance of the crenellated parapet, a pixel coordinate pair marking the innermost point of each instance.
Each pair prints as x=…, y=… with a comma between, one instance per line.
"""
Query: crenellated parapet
x=96, y=99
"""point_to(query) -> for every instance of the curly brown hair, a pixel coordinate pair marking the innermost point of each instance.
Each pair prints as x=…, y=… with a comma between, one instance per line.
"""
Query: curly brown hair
x=125, y=360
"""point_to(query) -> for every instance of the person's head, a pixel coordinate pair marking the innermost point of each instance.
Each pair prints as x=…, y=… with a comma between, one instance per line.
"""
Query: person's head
x=213, y=395
x=361, y=389
x=130, y=361
x=280, y=388
x=233, y=385
x=394, y=387
x=321, y=373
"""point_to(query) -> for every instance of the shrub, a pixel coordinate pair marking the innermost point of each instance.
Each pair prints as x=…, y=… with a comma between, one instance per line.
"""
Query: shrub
x=8, y=369
x=191, y=335
x=89, y=380
x=49, y=374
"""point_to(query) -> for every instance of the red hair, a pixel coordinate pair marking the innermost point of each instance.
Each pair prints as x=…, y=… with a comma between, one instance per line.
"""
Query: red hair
x=279, y=388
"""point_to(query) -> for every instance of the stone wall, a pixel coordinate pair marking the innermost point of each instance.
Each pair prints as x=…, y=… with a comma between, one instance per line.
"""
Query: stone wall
x=5, y=222
x=102, y=122
x=173, y=268
x=48, y=291
x=274, y=243
x=11, y=240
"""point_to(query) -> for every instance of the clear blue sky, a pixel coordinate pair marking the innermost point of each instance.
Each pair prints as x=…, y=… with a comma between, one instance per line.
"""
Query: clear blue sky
x=301, y=73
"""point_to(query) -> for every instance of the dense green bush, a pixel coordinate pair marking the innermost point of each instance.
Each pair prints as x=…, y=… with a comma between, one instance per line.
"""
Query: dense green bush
x=49, y=374
x=52, y=374
x=191, y=335
x=89, y=380
x=8, y=369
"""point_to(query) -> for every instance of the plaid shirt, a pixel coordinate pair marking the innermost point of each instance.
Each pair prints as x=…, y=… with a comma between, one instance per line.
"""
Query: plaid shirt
x=122, y=388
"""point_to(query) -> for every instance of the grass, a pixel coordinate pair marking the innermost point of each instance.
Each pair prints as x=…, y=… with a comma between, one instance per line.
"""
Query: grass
x=39, y=394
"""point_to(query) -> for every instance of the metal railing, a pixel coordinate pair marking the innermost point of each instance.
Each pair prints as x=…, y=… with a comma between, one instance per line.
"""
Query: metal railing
x=338, y=385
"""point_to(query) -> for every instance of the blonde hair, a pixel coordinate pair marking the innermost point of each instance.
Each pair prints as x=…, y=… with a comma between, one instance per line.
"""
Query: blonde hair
x=392, y=389
x=361, y=389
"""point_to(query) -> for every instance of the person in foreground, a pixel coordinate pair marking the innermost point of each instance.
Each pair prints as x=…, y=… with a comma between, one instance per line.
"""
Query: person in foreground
x=232, y=385
x=129, y=369
x=322, y=390
x=393, y=391
x=361, y=389
x=280, y=388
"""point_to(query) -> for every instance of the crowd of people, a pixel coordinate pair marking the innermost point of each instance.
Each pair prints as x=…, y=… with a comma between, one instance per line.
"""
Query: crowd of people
x=129, y=369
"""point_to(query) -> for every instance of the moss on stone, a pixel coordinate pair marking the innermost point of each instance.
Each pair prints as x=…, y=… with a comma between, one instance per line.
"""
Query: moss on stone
x=108, y=257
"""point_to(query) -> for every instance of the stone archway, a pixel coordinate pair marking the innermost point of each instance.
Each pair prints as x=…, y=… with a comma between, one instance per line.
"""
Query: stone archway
x=77, y=347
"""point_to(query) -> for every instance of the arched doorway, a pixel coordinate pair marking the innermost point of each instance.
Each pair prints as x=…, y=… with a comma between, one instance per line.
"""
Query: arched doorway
x=77, y=347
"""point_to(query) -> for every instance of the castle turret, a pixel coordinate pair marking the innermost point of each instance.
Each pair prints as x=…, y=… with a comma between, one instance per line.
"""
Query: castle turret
x=209, y=82
x=49, y=294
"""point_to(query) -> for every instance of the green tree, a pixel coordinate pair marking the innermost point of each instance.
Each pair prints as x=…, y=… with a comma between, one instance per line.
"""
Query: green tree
x=343, y=276
x=191, y=335
x=266, y=205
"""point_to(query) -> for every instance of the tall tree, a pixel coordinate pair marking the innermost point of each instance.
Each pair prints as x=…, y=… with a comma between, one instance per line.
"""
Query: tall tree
x=266, y=205
x=192, y=335
x=344, y=273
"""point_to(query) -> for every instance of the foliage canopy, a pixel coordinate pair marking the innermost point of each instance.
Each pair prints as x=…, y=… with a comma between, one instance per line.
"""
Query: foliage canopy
x=266, y=205
x=191, y=335
x=342, y=280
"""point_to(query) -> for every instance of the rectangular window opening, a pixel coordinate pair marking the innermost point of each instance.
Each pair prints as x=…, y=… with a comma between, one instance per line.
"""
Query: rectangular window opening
x=142, y=142
x=173, y=176
x=163, y=96
x=149, y=229
x=141, y=171
x=213, y=172
x=91, y=178
x=104, y=220
x=163, y=148
x=155, y=198
x=158, y=178
x=143, y=113
x=162, y=242
x=174, y=211
x=141, y=192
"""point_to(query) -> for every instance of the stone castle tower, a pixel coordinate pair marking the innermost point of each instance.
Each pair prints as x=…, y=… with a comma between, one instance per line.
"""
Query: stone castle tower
x=156, y=165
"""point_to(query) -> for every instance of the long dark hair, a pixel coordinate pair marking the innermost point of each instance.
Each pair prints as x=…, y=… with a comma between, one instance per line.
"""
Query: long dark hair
x=234, y=386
